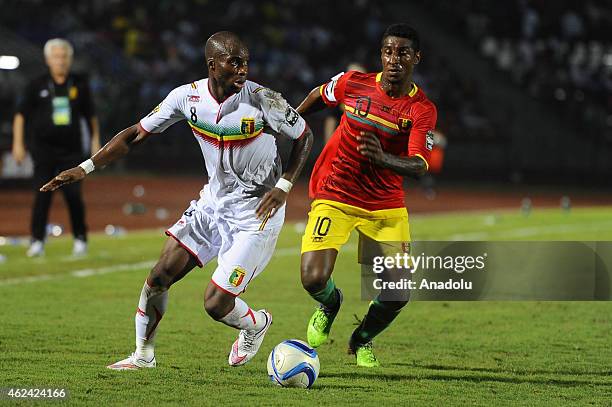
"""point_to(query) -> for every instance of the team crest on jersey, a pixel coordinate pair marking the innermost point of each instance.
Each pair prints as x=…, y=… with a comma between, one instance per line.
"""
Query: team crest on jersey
x=405, y=124
x=237, y=276
x=193, y=98
x=429, y=140
x=247, y=125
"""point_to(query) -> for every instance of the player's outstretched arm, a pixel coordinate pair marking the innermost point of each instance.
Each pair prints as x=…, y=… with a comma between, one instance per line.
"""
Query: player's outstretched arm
x=407, y=166
x=312, y=103
x=274, y=198
x=116, y=148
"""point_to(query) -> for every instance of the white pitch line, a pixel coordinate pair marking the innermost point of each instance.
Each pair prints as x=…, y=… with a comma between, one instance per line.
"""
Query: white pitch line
x=282, y=252
x=111, y=269
x=289, y=251
x=30, y=279
x=78, y=273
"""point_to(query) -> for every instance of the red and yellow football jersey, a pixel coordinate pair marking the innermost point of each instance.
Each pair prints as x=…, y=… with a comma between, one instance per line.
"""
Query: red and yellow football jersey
x=403, y=125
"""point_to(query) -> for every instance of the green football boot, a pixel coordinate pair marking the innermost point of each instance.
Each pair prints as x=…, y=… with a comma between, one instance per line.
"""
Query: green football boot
x=364, y=354
x=321, y=322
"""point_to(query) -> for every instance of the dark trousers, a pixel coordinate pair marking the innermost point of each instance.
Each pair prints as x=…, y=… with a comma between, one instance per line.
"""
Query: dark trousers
x=44, y=170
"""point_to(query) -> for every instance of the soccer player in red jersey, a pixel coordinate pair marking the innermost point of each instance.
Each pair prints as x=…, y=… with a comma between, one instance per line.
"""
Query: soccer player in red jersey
x=386, y=132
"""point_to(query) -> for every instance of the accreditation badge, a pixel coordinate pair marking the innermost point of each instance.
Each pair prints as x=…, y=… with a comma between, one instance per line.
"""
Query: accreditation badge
x=61, y=113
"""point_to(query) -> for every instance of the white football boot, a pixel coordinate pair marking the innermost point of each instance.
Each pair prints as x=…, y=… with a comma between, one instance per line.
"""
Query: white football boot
x=133, y=362
x=37, y=249
x=79, y=248
x=248, y=343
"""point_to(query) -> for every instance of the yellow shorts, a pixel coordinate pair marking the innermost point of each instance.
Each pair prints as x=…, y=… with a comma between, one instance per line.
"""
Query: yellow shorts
x=330, y=224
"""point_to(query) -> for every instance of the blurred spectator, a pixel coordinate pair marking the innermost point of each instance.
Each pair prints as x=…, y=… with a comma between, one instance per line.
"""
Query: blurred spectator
x=560, y=52
x=54, y=110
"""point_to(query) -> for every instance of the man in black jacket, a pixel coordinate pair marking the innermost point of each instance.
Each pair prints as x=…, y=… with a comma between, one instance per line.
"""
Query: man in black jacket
x=54, y=111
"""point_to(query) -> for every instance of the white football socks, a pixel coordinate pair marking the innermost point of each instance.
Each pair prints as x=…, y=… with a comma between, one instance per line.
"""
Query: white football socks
x=243, y=317
x=151, y=309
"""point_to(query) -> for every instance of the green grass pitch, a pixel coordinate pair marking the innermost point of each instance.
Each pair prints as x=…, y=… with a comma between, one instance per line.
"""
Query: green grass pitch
x=63, y=320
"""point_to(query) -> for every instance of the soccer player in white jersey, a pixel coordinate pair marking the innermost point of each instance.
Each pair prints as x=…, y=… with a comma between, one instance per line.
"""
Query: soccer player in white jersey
x=240, y=211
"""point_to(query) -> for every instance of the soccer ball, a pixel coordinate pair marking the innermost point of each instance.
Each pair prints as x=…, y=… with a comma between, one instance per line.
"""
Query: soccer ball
x=292, y=363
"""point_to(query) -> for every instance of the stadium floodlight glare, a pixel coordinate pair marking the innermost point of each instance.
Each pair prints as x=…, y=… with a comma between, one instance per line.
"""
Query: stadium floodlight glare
x=9, y=62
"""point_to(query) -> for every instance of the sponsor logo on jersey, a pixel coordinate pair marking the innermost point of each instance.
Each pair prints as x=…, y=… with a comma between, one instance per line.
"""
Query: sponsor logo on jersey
x=247, y=125
x=405, y=124
x=291, y=116
x=429, y=140
x=237, y=276
x=193, y=98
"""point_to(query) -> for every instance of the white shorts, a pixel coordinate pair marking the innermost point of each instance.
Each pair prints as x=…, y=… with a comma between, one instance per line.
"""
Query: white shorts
x=242, y=254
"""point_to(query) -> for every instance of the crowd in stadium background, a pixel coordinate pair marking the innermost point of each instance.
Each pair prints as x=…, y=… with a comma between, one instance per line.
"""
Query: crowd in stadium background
x=557, y=52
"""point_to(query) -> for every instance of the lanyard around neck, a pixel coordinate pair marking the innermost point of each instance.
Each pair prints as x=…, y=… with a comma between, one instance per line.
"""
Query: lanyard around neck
x=52, y=86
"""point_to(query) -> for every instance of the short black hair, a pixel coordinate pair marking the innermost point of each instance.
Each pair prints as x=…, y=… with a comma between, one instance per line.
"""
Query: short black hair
x=403, y=30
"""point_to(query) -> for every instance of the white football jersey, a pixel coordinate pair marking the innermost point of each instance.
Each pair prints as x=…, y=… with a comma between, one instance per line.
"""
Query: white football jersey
x=240, y=153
